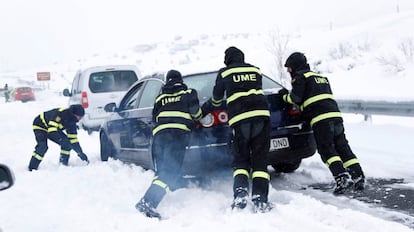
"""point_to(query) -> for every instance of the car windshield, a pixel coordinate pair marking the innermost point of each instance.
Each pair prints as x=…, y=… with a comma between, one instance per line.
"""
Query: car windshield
x=204, y=83
x=111, y=81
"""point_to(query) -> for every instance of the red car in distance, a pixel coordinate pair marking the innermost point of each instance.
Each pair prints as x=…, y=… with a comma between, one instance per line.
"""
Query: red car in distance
x=24, y=94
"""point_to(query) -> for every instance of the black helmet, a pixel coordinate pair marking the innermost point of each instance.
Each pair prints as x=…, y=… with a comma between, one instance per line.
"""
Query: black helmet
x=77, y=110
x=174, y=76
x=296, y=60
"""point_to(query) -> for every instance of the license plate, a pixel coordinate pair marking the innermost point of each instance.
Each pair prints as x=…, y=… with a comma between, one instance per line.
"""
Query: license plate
x=278, y=143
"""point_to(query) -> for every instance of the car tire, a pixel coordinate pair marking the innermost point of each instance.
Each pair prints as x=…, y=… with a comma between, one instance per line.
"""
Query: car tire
x=287, y=167
x=106, y=148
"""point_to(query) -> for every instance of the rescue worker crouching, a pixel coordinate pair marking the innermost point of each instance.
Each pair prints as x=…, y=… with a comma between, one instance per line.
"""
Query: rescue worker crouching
x=313, y=94
x=174, y=113
x=51, y=125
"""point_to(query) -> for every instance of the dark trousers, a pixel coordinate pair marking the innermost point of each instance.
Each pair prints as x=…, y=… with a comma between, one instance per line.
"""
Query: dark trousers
x=168, y=149
x=331, y=141
x=41, y=147
x=250, y=145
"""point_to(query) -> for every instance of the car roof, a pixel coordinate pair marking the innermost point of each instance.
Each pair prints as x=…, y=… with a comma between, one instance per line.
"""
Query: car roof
x=161, y=75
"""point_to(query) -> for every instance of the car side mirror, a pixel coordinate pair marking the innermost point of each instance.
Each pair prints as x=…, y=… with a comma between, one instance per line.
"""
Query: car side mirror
x=66, y=93
x=110, y=107
x=6, y=177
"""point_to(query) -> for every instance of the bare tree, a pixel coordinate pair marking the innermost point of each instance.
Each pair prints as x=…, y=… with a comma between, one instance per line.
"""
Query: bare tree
x=278, y=47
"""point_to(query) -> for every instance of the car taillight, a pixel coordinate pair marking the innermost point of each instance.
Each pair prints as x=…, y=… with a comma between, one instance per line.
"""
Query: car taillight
x=214, y=118
x=295, y=110
x=85, y=103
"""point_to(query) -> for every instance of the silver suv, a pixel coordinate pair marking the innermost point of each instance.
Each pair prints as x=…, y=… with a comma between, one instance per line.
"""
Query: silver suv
x=94, y=87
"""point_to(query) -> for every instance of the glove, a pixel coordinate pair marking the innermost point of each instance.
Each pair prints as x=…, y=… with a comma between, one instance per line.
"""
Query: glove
x=207, y=107
x=83, y=157
x=283, y=92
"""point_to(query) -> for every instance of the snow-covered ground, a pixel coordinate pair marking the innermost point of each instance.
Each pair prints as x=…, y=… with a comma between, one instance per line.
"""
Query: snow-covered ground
x=101, y=196
x=364, y=49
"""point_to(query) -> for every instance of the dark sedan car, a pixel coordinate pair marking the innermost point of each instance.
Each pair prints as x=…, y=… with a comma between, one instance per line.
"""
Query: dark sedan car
x=127, y=133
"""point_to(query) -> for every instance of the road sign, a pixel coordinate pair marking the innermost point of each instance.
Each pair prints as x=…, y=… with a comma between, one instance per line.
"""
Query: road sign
x=43, y=76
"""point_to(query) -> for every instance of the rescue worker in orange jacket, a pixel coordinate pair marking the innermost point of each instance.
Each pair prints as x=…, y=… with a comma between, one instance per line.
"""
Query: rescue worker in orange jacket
x=51, y=125
x=312, y=93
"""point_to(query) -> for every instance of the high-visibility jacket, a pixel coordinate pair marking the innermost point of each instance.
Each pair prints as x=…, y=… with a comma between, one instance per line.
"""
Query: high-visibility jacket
x=55, y=121
x=312, y=92
x=242, y=85
x=177, y=107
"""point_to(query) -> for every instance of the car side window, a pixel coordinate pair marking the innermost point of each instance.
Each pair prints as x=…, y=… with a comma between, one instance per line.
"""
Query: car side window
x=130, y=99
x=150, y=92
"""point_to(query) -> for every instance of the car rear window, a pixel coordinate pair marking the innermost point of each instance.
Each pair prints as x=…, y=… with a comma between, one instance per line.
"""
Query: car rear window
x=204, y=84
x=23, y=89
x=111, y=81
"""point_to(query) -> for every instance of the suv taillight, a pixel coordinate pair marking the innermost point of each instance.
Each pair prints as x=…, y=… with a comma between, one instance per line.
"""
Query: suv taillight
x=85, y=103
x=214, y=118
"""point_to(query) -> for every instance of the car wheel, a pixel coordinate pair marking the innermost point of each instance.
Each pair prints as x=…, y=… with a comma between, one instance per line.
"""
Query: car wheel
x=106, y=147
x=287, y=167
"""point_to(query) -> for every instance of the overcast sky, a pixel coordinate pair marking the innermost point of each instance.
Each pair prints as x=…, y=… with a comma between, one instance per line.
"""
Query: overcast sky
x=46, y=31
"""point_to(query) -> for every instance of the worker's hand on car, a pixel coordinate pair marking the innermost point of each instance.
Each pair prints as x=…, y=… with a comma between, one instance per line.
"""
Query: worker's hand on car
x=283, y=91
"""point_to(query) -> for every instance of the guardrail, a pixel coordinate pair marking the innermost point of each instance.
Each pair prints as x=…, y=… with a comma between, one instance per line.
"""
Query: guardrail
x=369, y=108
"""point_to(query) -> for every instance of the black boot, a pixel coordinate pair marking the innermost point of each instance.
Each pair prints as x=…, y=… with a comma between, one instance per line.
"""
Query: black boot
x=64, y=160
x=343, y=183
x=34, y=164
x=146, y=208
x=261, y=206
x=357, y=176
x=240, y=198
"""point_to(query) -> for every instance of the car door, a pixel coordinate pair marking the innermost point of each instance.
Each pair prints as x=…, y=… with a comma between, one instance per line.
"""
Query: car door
x=141, y=126
x=119, y=124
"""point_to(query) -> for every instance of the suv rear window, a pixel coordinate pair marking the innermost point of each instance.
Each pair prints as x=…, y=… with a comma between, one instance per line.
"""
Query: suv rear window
x=111, y=81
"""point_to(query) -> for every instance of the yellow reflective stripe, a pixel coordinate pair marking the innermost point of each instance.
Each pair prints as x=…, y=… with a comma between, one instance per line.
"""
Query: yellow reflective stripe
x=52, y=129
x=351, y=162
x=198, y=114
x=261, y=174
x=325, y=116
x=171, y=126
x=316, y=98
x=249, y=114
x=241, y=172
x=244, y=94
x=161, y=184
x=333, y=159
x=174, y=114
x=52, y=123
x=72, y=136
x=216, y=102
x=72, y=141
x=37, y=156
x=288, y=99
x=172, y=94
x=64, y=152
x=39, y=128
x=240, y=70
x=309, y=74
x=42, y=117
x=61, y=109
